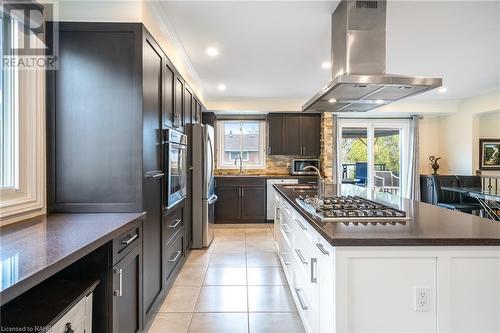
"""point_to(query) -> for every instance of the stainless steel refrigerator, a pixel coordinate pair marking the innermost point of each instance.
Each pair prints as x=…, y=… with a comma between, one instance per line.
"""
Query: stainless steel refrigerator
x=204, y=197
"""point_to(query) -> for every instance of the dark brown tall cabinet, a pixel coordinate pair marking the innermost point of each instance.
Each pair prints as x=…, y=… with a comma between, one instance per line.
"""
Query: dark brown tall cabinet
x=294, y=134
x=104, y=120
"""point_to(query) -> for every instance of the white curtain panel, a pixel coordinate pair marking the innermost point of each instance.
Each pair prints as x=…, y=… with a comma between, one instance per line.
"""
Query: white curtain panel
x=413, y=186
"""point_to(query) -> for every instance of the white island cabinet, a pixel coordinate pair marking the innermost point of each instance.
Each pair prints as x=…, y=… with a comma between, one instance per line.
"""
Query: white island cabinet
x=371, y=289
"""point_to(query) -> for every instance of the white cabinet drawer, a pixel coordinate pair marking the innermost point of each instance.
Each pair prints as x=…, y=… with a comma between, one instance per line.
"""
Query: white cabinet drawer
x=306, y=296
x=79, y=318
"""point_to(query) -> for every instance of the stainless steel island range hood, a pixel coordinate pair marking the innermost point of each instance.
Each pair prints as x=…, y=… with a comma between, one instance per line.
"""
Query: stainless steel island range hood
x=359, y=62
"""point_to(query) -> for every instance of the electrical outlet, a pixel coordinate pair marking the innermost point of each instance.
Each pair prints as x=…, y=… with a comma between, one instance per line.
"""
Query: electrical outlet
x=422, y=299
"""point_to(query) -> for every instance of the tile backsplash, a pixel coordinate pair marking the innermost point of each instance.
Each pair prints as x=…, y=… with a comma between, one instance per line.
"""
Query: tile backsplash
x=275, y=165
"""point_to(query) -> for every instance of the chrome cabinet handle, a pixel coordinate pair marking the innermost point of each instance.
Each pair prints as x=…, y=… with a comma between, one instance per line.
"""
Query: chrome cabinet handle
x=129, y=240
x=302, y=302
x=314, y=270
x=285, y=228
x=119, y=292
x=177, y=255
x=283, y=254
x=303, y=227
x=277, y=214
x=301, y=256
x=177, y=222
x=322, y=249
x=154, y=174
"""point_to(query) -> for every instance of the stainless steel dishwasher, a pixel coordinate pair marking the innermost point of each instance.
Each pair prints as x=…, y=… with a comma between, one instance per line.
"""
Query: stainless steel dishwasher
x=270, y=194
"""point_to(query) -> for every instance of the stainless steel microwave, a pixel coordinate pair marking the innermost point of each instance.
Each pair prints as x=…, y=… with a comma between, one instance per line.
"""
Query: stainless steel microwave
x=297, y=166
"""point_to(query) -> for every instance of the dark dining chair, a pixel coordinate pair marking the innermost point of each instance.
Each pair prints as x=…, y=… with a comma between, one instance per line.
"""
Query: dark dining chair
x=449, y=199
x=470, y=182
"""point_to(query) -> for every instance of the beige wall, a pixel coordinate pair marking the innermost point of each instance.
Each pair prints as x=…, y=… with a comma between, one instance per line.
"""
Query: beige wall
x=455, y=136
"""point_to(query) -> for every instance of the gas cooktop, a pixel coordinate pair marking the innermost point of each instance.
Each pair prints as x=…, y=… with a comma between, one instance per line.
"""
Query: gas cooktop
x=351, y=209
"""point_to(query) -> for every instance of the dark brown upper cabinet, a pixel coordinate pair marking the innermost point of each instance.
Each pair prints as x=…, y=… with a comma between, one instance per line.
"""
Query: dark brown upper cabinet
x=168, y=95
x=291, y=135
x=179, y=120
x=275, y=130
x=188, y=104
x=310, y=134
x=294, y=134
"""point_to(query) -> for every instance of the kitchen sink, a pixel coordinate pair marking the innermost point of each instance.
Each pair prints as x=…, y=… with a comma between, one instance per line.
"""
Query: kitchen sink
x=301, y=187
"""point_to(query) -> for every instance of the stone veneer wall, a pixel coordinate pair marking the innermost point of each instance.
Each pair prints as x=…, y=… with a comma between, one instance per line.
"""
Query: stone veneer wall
x=326, y=157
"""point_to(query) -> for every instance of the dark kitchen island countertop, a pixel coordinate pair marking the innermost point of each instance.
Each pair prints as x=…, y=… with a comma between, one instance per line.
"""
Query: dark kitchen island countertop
x=35, y=249
x=428, y=225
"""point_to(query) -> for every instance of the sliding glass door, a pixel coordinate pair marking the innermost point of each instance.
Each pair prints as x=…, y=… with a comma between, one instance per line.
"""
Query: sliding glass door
x=373, y=153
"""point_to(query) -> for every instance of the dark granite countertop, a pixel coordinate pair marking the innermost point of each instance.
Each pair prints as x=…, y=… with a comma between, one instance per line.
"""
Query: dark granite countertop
x=35, y=249
x=268, y=176
x=428, y=226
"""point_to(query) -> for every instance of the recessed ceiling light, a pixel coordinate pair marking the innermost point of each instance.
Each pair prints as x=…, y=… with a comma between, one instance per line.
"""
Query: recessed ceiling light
x=326, y=64
x=221, y=87
x=212, y=51
x=332, y=100
x=379, y=101
x=443, y=89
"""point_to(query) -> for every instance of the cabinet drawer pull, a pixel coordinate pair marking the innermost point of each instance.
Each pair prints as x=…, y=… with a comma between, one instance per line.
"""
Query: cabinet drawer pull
x=301, y=256
x=119, y=292
x=177, y=222
x=283, y=254
x=302, y=226
x=302, y=302
x=129, y=240
x=322, y=249
x=176, y=256
x=314, y=270
x=285, y=228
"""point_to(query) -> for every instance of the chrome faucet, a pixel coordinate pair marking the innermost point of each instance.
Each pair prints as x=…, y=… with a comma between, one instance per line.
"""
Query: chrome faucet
x=241, y=163
x=321, y=180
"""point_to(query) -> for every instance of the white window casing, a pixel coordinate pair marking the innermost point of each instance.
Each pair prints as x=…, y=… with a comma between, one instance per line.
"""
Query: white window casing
x=26, y=198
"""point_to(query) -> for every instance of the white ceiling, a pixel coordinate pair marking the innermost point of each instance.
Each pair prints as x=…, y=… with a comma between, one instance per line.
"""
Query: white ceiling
x=274, y=50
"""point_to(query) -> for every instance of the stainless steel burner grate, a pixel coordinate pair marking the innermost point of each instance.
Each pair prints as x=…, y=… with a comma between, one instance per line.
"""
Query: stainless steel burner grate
x=351, y=209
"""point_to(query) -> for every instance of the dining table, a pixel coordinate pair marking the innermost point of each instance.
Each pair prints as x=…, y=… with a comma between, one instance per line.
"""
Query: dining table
x=488, y=198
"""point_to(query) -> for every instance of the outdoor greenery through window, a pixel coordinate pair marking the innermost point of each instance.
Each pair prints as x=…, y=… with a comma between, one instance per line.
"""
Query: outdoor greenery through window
x=372, y=154
x=241, y=138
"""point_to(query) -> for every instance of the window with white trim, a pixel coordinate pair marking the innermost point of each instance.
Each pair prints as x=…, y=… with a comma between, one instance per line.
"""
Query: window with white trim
x=241, y=138
x=22, y=127
x=9, y=104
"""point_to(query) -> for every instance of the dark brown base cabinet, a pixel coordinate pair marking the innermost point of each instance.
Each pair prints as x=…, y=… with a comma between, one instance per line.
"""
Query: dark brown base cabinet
x=127, y=293
x=114, y=92
x=241, y=200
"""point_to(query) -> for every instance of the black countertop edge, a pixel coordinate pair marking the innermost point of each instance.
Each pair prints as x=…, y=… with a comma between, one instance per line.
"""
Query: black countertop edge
x=383, y=241
x=43, y=274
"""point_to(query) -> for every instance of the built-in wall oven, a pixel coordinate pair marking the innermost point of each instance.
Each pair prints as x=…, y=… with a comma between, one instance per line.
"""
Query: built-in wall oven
x=175, y=144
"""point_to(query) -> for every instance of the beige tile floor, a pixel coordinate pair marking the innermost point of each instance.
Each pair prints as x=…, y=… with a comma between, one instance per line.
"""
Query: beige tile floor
x=237, y=285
